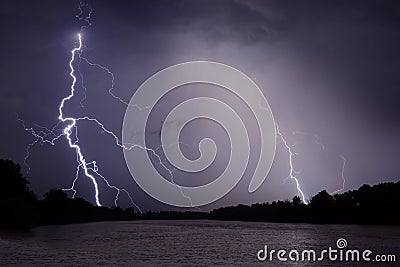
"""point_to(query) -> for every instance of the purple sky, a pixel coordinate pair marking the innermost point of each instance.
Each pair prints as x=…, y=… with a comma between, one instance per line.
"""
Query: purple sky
x=330, y=69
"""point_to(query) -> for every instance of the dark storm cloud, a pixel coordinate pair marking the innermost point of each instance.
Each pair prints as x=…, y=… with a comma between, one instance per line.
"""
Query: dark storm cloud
x=214, y=20
x=353, y=39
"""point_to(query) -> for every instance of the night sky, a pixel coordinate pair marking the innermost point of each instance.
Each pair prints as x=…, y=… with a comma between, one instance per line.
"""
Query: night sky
x=330, y=71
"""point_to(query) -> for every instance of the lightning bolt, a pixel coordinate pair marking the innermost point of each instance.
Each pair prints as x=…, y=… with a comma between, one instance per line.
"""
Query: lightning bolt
x=342, y=176
x=292, y=172
x=130, y=146
x=317, y=141
x=69, y=127
x=70, y=130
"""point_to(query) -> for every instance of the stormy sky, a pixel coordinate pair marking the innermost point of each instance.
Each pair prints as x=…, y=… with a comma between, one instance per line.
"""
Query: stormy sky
x=330, y=71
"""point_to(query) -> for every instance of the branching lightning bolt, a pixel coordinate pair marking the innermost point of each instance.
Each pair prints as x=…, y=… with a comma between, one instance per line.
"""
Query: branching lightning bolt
x=292, y=172
x=67, y=126
x=317, y=141
x=71, y=127
x=70, y=130
x=130, y=146
x=46, y=135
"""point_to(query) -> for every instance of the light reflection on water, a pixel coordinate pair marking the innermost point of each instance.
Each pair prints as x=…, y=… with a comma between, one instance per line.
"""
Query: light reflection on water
x=186, y=243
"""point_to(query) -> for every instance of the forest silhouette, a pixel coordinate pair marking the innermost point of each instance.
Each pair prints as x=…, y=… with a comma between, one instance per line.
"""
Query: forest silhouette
x=378, y=204
x=21, y=209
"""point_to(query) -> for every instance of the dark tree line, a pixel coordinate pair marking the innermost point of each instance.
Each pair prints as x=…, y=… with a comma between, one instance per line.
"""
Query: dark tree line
x=21, y=209
x=18, y=204
x=57, y=208
x=378, y=204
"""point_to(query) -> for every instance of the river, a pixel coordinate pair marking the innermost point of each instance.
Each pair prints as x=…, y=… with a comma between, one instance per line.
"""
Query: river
x=194, y=243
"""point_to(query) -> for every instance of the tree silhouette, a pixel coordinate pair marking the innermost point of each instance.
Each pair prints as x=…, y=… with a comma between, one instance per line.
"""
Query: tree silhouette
x=376, y=204
x=20, y=208
x=57, y=208
x=321, y=207
x=18, y=204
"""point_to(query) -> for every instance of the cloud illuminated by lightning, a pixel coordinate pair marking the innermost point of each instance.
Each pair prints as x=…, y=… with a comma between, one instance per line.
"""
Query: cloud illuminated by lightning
x=67, y=126
x=316, y=137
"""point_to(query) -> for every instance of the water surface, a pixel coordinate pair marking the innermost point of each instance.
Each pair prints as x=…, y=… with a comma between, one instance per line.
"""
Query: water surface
x=187, y=243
